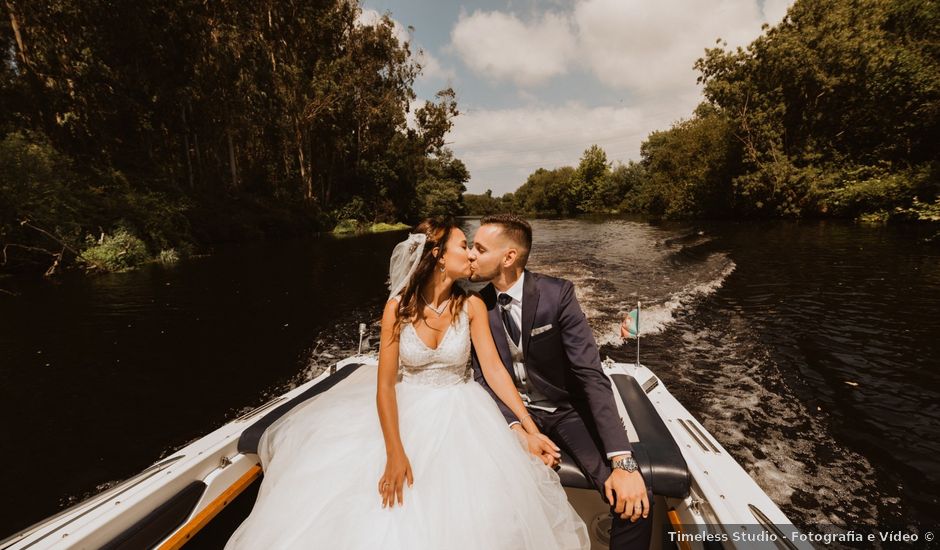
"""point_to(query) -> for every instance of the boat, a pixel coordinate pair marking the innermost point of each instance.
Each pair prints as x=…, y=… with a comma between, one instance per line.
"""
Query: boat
x=199, y=494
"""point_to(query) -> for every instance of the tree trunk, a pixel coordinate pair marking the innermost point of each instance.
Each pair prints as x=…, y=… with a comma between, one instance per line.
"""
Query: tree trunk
x=198, y=156
x=231, y=159
x=305, y=178
x=189, y=161
x=33, y=77
x=20, y=44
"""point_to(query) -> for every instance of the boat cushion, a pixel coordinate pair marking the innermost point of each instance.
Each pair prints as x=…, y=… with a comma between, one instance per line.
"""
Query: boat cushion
x=656, y=452
x=160, y=522
x=248, y=441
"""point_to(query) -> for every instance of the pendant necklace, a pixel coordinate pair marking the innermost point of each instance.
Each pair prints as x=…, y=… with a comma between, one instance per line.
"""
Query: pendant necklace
x=439, y=310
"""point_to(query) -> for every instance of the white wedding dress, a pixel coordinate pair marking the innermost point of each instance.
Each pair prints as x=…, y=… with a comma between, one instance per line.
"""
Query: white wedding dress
x=475, y=486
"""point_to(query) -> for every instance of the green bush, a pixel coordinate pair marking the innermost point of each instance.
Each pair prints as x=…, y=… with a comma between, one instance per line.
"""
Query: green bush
x=383, y=227
x=921, y=211
x=346, y=227
x=354, y=227
x=355, y=209
x=120, y=251
x=168, y=256
x=874, y=192
x=37, y=185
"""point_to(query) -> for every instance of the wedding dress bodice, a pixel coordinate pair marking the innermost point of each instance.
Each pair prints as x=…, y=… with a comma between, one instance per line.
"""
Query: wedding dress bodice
x=448, y=363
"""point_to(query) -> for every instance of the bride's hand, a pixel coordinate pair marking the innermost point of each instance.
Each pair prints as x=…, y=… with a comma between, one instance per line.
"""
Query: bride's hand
x=540, y=446
x=392, y=482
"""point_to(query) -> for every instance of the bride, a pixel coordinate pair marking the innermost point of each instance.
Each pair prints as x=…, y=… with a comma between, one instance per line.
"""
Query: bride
x=437, y=467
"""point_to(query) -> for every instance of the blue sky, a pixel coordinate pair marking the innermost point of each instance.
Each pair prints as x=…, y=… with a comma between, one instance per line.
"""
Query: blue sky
x=538, y=82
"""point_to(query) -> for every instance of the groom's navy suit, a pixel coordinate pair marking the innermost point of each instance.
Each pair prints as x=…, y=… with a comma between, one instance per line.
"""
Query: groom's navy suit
x=562, y=363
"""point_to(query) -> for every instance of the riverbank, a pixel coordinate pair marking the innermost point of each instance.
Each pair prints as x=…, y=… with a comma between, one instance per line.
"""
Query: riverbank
x=107, y=225
x=355, y=227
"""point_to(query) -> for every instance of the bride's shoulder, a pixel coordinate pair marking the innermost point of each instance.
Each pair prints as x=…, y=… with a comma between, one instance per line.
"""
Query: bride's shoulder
x=391, y=306
x=474, y=304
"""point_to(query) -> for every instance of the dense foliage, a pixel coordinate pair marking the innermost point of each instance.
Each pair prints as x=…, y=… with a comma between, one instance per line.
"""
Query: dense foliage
x=181, y=122
x=833, y=112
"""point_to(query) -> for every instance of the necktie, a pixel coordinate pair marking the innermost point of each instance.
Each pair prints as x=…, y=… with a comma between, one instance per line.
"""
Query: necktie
x=504, y=301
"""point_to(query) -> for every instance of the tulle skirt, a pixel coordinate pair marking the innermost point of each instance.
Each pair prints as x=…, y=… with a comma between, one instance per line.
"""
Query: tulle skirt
x=475, y=486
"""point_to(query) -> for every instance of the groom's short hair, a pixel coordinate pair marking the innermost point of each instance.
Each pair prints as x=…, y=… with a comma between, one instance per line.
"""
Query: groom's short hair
x=518, y=230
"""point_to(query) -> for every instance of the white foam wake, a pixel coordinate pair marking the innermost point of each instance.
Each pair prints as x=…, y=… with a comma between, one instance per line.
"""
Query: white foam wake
x=656, y=317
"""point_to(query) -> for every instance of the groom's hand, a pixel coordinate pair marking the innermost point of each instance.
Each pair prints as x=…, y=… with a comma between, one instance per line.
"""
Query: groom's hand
x=540, y=446
x=630, y=491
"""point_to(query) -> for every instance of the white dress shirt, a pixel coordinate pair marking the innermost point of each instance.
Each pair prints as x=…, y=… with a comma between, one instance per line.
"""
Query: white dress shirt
x=515, y=307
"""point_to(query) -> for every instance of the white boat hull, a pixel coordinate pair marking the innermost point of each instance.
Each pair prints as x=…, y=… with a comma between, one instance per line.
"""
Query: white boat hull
x=723, y=503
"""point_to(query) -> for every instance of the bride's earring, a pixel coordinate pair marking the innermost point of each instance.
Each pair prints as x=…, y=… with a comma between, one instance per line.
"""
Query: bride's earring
x=442, y=272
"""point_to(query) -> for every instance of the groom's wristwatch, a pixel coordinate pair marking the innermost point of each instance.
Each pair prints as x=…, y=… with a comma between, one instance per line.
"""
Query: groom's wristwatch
x=626, y=463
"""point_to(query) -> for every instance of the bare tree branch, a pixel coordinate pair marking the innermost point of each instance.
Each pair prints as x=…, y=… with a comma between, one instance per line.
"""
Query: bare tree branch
x=55, y=238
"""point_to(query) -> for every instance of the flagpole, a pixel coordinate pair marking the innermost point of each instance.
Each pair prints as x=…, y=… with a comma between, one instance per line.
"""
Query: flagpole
x=638, y=334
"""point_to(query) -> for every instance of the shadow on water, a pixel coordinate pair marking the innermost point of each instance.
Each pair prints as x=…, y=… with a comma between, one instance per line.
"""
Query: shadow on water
x=105, y=374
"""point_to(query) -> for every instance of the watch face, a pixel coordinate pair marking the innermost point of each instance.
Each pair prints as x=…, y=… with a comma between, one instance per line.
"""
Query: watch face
x=628, y=464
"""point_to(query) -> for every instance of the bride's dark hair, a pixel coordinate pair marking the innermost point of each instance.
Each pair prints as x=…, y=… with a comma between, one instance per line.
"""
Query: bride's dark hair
x=438, y=231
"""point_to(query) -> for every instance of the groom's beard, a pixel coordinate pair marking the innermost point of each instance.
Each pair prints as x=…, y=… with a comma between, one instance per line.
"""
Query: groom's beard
x=478, y=277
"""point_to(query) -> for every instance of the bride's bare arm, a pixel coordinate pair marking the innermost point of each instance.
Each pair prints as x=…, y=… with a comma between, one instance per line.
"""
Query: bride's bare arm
x=397, y=467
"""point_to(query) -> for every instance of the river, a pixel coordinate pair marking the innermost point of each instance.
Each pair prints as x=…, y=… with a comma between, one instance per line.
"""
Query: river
x=809, y=349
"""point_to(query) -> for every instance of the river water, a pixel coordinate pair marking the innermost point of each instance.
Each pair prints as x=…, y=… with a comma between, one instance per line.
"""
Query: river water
x=809, y=349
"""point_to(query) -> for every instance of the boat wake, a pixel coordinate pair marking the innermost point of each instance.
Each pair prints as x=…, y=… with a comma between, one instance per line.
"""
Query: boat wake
x=605, y=299
x=728, y=379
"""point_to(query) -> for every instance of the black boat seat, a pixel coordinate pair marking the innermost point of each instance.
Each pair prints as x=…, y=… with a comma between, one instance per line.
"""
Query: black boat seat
x=248, y=440
x=657, y=454
x=571, y=475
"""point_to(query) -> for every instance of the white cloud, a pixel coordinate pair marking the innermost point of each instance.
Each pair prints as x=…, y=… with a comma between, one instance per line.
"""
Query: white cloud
x=650, y=47
x=431, y=68
x=371, y=18
x=774, y=10
x=644, y=49
x=501, y=147
x=503, y=47
x=635, y=45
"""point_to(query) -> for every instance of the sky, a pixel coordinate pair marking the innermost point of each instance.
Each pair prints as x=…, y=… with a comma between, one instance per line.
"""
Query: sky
x=540, y=81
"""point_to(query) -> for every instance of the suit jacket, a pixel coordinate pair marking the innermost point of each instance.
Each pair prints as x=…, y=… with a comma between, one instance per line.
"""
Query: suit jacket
x=561, y=362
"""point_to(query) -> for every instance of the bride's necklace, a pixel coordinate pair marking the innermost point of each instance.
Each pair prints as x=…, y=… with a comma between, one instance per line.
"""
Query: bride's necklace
x=439, y=310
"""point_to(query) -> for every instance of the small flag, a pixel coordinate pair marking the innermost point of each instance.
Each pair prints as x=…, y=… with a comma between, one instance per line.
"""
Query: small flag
x=631, y=323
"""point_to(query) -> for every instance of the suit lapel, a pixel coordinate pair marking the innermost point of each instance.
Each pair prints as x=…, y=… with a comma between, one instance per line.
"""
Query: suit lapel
x=530, y=303
x=496, y=326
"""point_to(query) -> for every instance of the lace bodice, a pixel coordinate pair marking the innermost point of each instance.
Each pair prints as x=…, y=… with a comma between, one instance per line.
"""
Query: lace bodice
x=447, y=364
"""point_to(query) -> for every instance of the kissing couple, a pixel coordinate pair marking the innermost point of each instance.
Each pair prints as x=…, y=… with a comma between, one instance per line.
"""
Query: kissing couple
x=453, y=445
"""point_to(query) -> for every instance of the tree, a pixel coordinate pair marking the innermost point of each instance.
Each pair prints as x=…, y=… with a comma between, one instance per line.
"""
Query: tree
x=590, y=179
x=233, y=115
x=835, y=86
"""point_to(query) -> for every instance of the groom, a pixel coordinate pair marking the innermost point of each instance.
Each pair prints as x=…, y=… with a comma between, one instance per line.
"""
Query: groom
x=546, y=344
